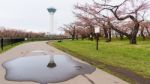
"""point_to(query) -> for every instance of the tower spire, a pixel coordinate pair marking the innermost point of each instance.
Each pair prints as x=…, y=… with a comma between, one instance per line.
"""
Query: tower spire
x=51, y=11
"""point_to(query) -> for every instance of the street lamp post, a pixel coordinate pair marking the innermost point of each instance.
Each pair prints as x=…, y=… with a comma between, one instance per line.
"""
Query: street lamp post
x=97, y=31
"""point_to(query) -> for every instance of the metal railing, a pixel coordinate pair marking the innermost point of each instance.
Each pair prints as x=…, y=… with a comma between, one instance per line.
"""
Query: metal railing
x=9, y=41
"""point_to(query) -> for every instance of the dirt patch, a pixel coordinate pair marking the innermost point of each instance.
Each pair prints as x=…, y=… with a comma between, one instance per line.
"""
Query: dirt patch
x=137, y=79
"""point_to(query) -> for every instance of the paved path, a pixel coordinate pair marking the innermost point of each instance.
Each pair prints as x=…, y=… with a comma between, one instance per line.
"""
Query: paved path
x=98, y=77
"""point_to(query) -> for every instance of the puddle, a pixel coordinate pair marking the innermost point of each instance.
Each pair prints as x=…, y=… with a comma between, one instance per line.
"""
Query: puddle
x=34, y=68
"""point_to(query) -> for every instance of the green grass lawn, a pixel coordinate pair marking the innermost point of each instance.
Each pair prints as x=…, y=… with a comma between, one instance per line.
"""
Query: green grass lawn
x=116, y=53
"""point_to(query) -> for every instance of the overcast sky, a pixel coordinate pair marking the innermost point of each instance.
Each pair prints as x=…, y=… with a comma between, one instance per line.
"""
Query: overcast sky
x=32, y=15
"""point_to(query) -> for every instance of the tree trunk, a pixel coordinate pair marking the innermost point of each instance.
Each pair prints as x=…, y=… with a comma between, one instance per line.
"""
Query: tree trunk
x=73, y=37
x=148, y=31
x=133, y=40
x=116, y=34
x=82, y=37
x=74, y=33
x=92, y=32
x=142, y=34
x=133, y=34
x=109, y=35
x=77, y=37
x=121, y=36
x=106, y=34
x=117, y=30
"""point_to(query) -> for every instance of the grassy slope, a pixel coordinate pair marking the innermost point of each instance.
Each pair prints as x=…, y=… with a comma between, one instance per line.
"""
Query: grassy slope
x=117, y=53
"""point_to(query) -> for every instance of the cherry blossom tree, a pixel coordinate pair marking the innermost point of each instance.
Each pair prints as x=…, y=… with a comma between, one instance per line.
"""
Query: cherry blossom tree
x=135, y=13
x=117, y=13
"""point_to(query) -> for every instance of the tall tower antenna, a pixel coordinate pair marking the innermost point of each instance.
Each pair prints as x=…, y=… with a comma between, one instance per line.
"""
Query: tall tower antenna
x=51, y=11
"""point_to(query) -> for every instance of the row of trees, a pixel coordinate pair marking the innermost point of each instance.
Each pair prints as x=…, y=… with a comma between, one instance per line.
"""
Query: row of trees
x=127, y=18
x=13, y=33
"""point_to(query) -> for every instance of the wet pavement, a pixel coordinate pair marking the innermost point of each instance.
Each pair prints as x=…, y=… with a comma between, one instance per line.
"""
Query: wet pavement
x=40, y=51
